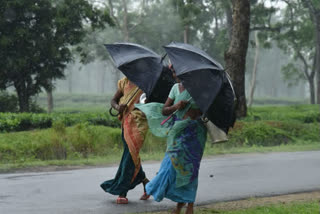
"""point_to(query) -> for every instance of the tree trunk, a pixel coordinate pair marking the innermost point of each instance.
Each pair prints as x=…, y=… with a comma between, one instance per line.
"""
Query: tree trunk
x=315, y=14
x=216, y=19
x=254, y=71
x=235, y=56
x=229, y=20
x=116, y=73
x=125, y=21
x=185, y=34
x=88, y=82
x=49, y=100
x=70, y=82
x=103, y=75
x=318, y=86
x=309, y=76
x=312, y=90
x=318, y=58
x=23, y=97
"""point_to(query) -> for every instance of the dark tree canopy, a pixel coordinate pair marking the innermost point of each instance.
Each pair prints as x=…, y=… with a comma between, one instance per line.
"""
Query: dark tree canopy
x=35, y=41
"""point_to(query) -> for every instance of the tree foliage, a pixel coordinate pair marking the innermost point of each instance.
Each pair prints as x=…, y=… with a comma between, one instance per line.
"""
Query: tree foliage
x=35, y=41
x=297, y=39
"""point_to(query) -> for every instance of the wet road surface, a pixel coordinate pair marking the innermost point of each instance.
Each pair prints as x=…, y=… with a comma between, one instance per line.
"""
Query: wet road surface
x=221, y=178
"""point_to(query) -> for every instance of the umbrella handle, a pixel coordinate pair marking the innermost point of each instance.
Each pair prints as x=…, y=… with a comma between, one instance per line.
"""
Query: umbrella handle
x=116, y=115
x=110, y=112
x=204, y=119
x=165, y=120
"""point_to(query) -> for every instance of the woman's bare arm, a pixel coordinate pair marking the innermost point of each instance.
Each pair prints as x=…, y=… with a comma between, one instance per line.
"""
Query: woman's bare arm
x=169, y=108
x=115, y=101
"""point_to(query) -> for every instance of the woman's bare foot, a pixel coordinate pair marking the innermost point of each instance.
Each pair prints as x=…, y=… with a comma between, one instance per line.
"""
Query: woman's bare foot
x=189, y=208
x=177, y=210
x=145, y=196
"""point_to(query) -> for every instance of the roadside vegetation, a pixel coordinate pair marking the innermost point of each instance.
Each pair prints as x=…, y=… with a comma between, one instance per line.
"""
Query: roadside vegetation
x=298, y=203
x=94, y=138
x=311, y=207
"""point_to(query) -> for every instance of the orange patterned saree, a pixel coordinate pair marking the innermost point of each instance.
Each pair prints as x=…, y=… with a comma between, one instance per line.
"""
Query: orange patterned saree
x=134, y=122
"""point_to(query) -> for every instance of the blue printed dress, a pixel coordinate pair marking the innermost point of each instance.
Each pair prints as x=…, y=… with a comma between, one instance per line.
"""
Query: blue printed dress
x=177, y=178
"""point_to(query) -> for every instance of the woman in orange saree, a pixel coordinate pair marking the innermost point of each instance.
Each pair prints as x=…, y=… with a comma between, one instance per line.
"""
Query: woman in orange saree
x=134, y=128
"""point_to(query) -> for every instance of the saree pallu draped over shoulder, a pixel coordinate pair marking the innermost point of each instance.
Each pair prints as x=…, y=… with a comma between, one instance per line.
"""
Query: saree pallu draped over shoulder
x=134, y=128
x=185, y=139
x=133, y=121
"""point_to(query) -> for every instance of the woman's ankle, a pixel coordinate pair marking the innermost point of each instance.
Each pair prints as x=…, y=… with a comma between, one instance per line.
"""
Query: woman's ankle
x=189, y=209
x=177, y=210
x=123, y=195
x=145, y=181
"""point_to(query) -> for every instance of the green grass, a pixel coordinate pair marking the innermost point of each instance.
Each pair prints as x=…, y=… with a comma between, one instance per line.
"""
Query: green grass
x=291, y=208
x=223, y=149
x=301, y=113
x=76, y=102
x=311, y=207
x=86, y=145
x=154, y=156
x=266, y=129
x=279, y=101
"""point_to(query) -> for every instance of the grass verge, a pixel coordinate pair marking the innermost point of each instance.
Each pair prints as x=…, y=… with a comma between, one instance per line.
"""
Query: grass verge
x=110, y=159
x=266, y=129
x=300, y=203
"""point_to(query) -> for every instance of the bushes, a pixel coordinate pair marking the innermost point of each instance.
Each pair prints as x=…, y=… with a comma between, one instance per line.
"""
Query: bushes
x=60, y=143
x=8, y=103
x=68, y=143
x=259, y=134
x=272, y=133
x=301, y=113
x=91, y=136
x=28, y=121
x=84, y=140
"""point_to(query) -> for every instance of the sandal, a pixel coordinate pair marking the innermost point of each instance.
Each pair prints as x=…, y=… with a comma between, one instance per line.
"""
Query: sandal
x=122, y=200
x=145, y=196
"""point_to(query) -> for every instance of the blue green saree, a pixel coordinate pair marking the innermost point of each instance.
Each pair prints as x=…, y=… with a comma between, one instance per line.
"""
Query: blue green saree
x=177, y=178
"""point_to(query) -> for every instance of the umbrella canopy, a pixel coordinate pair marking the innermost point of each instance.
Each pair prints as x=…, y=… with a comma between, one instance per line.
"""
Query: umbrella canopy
x=206, y=81
x=139, y=64
x=163, y=86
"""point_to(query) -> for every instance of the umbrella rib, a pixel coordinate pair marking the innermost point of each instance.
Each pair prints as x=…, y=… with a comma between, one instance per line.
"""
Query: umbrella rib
x=216, y=64
x=138, y=59
x=136, y=45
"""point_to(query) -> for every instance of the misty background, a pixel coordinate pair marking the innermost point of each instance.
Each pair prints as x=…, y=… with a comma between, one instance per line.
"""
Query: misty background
x=159, y=26
x=155, y=23
x=99, y=77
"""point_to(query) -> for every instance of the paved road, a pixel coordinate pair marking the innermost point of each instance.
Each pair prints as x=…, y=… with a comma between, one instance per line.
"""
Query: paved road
x=234, y=177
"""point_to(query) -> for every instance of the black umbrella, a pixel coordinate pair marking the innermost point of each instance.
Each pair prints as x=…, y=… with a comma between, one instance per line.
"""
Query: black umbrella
x=139, y=64
x=163, y=86
x=206, y=81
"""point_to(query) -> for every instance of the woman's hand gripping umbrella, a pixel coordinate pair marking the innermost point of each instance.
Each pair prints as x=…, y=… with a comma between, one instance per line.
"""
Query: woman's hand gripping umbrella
x=170, y=116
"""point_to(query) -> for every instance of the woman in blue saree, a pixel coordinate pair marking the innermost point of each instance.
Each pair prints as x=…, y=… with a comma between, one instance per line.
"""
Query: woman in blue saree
x=186, y=135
